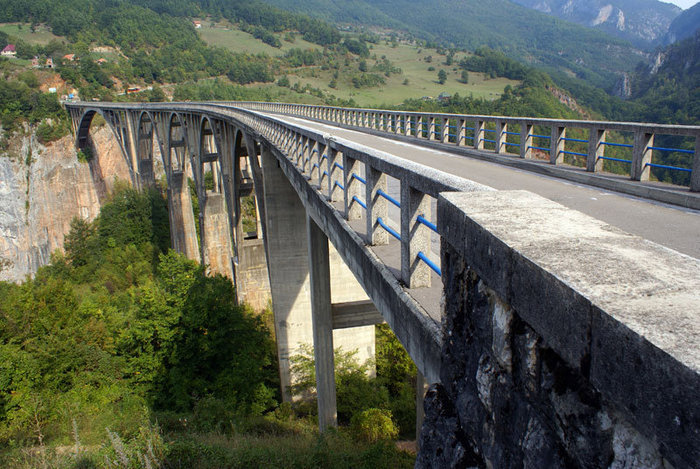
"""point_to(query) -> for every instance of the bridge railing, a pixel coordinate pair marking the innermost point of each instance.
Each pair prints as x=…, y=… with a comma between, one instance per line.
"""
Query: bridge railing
x=357, y=177
x=594, y=145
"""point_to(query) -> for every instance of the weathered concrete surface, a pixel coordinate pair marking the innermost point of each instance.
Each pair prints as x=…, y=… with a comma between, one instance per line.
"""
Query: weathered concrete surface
x=670, y=227
x=183, y=234
x=252, y=278
x=39, y=200
x=568, y=343
x=287, y=249
x=412, y=325
x=216, y=235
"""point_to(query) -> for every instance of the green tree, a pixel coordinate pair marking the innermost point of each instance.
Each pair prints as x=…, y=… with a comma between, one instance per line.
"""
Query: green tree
x=442, y=76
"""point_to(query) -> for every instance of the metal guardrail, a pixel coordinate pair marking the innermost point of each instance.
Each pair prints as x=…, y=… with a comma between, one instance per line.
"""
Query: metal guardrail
x=357, y=175
x=589, y=150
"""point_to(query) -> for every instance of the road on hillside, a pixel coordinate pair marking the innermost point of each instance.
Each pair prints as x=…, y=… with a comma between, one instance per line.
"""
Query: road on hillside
x=669, y=226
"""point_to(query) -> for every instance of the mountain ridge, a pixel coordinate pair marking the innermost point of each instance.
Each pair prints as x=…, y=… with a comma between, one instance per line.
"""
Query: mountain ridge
x=643, y=22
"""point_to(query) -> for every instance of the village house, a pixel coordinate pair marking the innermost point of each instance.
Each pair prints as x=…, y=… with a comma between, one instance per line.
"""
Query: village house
x=69, y=57
x=101, y=61
x=49, y=63
x=197, y=24
x=9, y=51
x=35, y=62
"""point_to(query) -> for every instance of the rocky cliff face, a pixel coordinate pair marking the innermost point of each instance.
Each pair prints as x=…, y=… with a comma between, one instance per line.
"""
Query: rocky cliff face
x=640, y=21
x=43, y=189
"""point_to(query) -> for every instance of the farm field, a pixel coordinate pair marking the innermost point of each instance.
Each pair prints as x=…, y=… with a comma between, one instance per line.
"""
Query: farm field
x=23, y=31
x=415, y=81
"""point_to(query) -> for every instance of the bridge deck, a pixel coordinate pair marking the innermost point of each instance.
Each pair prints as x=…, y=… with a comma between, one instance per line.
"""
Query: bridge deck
x=669, y=226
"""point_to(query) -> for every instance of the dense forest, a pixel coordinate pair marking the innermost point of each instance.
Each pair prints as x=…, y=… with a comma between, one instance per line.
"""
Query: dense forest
x=123, y=343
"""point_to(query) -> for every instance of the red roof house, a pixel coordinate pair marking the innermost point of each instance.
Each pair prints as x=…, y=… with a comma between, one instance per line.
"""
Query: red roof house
x=9, y=51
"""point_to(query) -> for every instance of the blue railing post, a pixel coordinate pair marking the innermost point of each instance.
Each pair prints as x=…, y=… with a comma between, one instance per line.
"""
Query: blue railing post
x=376, y=206
x=408, y=125
x=557, y=145
x=415, y=237
x=641, y=155
x=596, y=149
x=335, y=161
x=431, y=127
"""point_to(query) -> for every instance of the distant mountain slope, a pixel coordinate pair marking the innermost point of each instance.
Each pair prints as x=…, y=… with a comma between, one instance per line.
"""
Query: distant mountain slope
x=684, y=25
x=640, y=21
x=668, y=89
x=520, y=32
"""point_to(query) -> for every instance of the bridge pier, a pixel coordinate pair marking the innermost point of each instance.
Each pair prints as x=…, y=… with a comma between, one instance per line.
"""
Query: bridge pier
x=183, y=234
x=216, y=235
x=293, y=295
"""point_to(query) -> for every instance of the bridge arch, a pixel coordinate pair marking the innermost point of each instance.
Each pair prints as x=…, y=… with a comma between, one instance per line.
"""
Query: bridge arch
x=177, y=144
x=144, y=149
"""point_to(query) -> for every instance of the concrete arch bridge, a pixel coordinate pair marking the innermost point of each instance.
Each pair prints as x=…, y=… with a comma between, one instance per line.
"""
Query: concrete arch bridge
x=552, y=307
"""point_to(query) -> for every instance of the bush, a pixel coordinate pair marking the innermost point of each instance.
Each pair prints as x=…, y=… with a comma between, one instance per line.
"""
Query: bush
x=373, y=425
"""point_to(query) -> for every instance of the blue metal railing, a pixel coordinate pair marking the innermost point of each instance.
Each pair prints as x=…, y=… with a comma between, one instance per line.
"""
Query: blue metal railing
x=336, y=183
x=679, y=150
x=422, y=219
x=573, y=153
x=613, y=144
x=609, y=158
x=362, y=204
x=355, y=176
x=677, y=168
x=389, y=198
x=389, y=229
x=566, y=139
x=430, y=263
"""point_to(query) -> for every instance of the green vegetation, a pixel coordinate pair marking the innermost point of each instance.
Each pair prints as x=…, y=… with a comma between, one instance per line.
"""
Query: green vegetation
x=124, y=344
x=20, y=100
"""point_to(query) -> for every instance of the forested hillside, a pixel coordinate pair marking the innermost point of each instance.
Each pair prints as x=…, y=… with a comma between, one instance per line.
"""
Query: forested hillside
x=121, y=353
x=520, y=32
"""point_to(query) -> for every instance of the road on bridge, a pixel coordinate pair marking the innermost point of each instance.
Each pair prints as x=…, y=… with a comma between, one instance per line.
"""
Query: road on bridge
x=669, y=226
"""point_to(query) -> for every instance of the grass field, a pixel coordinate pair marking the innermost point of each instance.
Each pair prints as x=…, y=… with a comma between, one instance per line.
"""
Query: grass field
x=236, y=40
x=23, y=31
x=421, y=82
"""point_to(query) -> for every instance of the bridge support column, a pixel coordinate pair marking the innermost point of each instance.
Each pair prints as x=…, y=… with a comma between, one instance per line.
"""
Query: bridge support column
x=183, y=234
x=287, y=251
x=216, y=236
x=291, y=276
x=322, y=319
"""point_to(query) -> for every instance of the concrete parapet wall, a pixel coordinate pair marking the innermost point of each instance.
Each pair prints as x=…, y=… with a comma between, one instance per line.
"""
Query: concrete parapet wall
x=567, y=343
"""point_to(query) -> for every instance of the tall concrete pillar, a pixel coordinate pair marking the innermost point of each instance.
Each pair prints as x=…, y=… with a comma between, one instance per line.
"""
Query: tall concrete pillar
x=216, y=234
x=287, y=250
x=183, y=233
x=322, y=318
x=290, y=280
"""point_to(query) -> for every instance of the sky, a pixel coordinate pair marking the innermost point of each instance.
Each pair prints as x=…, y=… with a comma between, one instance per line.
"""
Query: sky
x=685, y=4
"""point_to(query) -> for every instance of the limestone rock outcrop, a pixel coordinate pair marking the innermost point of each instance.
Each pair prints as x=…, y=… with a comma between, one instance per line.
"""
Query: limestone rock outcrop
x=42, y=188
